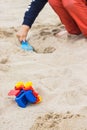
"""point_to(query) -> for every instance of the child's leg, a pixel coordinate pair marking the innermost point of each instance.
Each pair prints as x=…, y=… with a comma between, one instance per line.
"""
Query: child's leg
x=78, y=10
x=66, y=19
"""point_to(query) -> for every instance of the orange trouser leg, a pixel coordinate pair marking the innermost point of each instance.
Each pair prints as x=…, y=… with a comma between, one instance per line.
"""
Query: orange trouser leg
x=65, y=17
x=78, y=10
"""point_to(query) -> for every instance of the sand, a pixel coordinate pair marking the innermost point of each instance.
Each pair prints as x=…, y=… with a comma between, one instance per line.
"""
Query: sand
x=57, y=68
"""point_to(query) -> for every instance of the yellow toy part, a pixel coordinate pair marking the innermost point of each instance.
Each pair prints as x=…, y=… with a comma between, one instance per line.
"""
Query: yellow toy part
x=39, y=99
x=28, y=85
x=19, y=85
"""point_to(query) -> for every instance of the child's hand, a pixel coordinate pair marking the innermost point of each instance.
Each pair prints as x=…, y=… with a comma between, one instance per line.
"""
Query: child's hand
x=22, y=33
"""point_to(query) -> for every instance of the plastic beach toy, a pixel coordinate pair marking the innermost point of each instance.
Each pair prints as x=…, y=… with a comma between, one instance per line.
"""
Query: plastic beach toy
x=25, y=94
x=26, y=46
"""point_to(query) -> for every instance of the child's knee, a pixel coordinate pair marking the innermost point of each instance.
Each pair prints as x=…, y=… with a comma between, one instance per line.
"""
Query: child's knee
x=68, y=4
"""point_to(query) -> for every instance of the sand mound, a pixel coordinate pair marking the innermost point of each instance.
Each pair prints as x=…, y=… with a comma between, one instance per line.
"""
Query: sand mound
x=54, y=121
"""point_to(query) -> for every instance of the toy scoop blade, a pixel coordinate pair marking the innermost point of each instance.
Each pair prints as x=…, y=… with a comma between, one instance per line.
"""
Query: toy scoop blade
x=26, y=46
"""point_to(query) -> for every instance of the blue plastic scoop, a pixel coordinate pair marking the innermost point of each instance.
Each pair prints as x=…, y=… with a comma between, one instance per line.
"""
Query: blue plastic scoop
x=26, y=46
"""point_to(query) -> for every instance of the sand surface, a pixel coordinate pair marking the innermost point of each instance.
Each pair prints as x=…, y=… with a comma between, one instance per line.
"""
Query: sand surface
x=57, y=68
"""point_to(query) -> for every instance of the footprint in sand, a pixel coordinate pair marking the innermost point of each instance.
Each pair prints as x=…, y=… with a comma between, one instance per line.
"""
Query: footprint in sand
x=3, y=64
x=3, y=60
x=7, y=32
x=72, y=97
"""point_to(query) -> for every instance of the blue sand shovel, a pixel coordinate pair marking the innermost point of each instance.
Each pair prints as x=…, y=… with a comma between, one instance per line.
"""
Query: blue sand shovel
x=26, y=46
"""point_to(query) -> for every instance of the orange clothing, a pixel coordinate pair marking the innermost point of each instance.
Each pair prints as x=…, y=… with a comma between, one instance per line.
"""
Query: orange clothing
x=73, y=14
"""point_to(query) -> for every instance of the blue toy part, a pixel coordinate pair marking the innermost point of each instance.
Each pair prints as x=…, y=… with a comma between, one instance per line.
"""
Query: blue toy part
x=25, y=98
x=26, y=46
x=30, y=97
x=21, y=100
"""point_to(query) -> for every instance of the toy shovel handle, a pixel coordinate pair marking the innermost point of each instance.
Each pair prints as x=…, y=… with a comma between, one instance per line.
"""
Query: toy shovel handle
x=13, y=92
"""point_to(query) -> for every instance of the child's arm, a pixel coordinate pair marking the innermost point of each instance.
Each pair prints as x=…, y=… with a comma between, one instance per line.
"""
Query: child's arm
x=30, y=15
x=33, y=10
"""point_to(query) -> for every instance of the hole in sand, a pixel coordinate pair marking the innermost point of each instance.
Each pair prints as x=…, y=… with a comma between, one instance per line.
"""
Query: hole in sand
x=43, y=38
